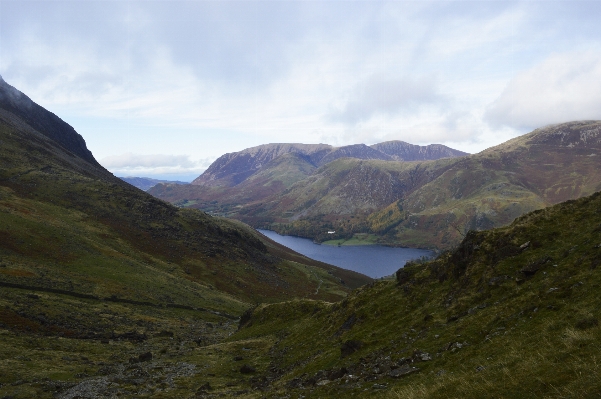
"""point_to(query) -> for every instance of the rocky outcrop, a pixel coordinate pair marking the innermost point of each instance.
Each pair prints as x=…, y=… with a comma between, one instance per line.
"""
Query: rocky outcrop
x=402, y=151
x=359, y=151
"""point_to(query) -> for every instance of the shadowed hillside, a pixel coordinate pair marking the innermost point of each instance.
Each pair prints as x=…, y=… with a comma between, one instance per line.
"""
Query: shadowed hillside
x=115, y=223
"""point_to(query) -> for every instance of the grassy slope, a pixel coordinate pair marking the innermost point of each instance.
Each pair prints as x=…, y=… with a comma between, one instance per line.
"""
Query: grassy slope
x=78, y=224
x=276, y=176
x=472, y=323
x=542, y=168
x=87, y=259
x=497, y=318
x=339, y=196
x=433, y=204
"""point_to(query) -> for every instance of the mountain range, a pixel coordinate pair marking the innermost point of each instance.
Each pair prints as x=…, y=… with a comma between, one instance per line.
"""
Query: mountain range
x=406, y=195
x=234, y=168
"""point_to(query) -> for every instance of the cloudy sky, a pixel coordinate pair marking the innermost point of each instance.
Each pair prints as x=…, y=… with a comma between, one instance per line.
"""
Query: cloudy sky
x=162, y=88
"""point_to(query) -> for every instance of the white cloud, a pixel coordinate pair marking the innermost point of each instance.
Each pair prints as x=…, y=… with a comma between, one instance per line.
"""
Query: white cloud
x=205, y=78
x=386, y=96
x=154, y=164
x=464, y=33
x=562, y=88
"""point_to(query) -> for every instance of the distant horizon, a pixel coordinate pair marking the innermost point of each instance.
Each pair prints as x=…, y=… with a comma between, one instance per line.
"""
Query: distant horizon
x=185, y=178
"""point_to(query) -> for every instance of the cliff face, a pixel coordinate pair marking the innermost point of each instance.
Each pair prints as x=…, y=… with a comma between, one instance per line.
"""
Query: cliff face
x=45, y=122
x=401, y=151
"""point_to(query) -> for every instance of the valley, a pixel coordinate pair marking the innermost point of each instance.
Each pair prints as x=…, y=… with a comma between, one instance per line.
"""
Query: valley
x=107, y=291
x=300, y=199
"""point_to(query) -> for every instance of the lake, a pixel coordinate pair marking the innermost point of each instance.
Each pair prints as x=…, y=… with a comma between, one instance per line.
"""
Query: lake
x=372, y=260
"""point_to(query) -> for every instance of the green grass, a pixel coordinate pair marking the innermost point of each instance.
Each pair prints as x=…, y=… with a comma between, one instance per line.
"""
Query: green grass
x=186, y=203
x=357, y=239
x=91, y=271
x=521, y=336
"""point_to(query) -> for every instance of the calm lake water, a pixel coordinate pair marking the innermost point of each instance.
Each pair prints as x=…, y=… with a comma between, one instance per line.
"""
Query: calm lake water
x=372, y=260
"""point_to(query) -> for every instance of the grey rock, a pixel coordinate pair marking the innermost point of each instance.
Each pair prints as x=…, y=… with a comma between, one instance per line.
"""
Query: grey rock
x=402, y=371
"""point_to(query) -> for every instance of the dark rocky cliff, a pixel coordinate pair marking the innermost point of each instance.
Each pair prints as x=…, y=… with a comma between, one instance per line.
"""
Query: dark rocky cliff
x=45, y=122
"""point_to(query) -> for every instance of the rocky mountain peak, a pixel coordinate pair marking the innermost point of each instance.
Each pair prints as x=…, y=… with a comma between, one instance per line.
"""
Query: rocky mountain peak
x=45, y=122
x=233, y=168
x=571, y=134
x=402, y=151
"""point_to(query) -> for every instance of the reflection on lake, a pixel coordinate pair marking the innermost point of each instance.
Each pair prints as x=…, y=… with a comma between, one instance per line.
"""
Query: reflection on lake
x=372, y=260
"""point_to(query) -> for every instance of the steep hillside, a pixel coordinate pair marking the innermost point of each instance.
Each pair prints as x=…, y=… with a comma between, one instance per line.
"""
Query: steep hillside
x=256, y=185
x=542, y=168
x=339, y=196
x=14, y=102
x=61, y=189
x=278, y=175
x=233, y=168
x=99, y=278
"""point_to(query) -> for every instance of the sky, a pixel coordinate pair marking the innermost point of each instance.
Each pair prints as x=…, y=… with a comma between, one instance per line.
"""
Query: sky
x=163, y=88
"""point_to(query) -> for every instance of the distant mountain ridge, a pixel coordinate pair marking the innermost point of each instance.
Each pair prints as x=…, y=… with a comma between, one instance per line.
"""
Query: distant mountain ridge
x=401, y=151
x=146, y=183
x=233, y=168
